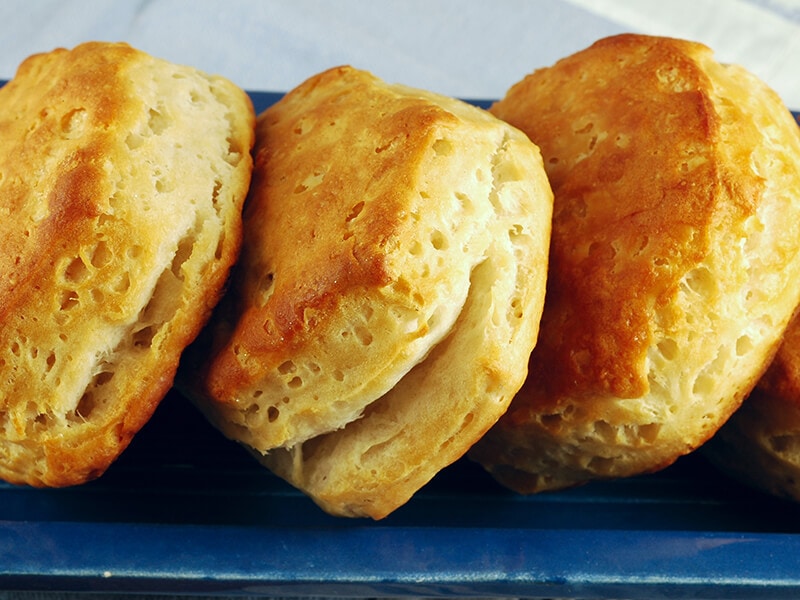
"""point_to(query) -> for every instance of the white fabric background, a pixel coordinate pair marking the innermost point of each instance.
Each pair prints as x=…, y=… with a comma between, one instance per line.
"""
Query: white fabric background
x=466, y=48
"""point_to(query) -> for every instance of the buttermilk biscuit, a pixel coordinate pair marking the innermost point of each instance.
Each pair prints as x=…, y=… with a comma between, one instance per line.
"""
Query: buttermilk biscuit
x=122, y=179
x=389, y=291
x=760, y=444
x=674, y=260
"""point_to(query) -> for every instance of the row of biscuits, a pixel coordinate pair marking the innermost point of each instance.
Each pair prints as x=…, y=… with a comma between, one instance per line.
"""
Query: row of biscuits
x=585, y=281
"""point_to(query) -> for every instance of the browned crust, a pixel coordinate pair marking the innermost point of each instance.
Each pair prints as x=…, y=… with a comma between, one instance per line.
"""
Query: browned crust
x=627, y=218
x=322, y=252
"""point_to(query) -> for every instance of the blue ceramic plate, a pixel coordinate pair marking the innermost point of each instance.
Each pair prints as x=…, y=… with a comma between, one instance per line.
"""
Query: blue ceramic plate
x=185, y=511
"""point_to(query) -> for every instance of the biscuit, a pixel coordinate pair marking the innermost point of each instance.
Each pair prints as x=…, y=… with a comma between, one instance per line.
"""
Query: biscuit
x=389, y=291
x=122, y=179
x=674, y=264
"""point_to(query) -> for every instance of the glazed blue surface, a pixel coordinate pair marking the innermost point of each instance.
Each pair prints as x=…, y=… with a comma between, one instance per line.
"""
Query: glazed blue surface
x=394, y=561
x=185, y=511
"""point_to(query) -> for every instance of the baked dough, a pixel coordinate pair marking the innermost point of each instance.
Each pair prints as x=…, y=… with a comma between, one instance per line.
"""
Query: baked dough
x=122, y=179
x=674, y=261
x=389, y=291
x=760, y=444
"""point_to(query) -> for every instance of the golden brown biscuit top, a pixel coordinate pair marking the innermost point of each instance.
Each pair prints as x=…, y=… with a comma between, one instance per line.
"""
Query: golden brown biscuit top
x=632, y=144
x=333, y=239
x=52, y=102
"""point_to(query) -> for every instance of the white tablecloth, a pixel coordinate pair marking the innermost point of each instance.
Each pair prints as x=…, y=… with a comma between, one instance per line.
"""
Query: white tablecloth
x=466, y=48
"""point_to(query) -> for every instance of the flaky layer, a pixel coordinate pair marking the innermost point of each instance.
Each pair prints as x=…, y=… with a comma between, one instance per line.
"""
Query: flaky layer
x=123, y=179
x=674, y=261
